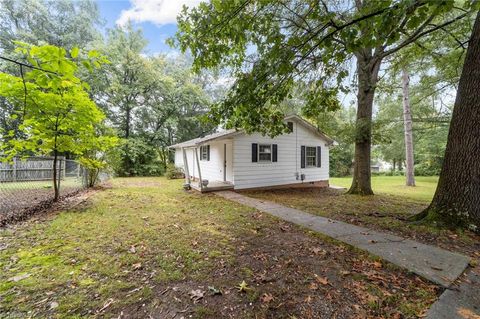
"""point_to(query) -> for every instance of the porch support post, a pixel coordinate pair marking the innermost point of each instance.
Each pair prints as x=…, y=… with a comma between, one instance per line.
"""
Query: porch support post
x=185, y=165
x=199, y=172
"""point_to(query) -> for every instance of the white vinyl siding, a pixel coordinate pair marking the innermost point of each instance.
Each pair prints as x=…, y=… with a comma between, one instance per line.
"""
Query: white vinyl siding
x=264, y=174
x=211, y=170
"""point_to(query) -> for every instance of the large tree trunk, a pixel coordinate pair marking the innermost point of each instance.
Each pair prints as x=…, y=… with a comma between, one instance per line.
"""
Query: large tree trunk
x=407, y=123
x=367, y=70
x=457, y=199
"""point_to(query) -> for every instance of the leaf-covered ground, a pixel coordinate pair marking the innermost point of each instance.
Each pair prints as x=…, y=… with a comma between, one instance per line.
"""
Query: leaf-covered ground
x=145, y=247
x=388, y=210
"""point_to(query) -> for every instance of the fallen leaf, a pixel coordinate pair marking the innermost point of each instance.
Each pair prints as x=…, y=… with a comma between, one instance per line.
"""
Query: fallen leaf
x=322, y=280
x=137, y=266
x=313, y=286
x=214, y=291
x=377, y=264
x=243, y=287
x=318, y=251
x=266, y=298
x=196, y=294
x=345, y=272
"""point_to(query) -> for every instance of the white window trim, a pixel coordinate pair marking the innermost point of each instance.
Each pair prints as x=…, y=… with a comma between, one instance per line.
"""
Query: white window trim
x=271, y=153
x=204, y=151
x=306, y=157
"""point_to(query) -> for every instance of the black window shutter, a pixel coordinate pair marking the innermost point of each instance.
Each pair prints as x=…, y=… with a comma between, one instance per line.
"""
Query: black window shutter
x=254, y=152
x=274, y=152
x=208, y=152
x=302, y=156
x=319, y=156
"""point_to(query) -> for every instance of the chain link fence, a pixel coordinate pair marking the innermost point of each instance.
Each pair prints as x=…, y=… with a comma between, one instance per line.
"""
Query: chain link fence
x=26, y=185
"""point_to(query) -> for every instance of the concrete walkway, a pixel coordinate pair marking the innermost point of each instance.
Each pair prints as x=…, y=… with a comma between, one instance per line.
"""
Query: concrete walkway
x=435, y=264
x=461, y=300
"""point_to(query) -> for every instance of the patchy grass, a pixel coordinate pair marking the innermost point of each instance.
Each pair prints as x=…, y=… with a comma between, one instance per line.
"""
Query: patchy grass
x=145, y=247
x=395, y=185
x=388, y=210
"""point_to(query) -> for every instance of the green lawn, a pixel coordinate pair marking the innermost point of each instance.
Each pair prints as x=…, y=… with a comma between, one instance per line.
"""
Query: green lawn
x=388, y=210
x=145, y=247
x=395, y=185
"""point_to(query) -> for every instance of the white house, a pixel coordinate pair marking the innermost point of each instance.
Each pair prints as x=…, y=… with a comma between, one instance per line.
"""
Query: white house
x=235, y=160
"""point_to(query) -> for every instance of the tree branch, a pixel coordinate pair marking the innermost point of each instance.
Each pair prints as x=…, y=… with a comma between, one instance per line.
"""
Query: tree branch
x=418, y=35
x=27, y=65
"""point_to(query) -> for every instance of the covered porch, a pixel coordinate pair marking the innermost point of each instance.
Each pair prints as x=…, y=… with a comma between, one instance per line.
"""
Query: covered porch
x=212, y=172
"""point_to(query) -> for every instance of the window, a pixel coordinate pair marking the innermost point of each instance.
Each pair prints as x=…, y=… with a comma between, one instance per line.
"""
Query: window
x=311, y=156
x=265, y=153
x=205, y=152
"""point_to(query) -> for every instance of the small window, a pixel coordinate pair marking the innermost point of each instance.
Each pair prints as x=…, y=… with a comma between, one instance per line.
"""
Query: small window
x=311, y=156
x=265, y=153
x=205, y=152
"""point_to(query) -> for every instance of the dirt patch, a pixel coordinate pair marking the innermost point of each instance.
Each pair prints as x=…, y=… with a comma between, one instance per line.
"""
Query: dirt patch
x=290, y=274
x=138, y=182
x=39, y=204
x=380, y=212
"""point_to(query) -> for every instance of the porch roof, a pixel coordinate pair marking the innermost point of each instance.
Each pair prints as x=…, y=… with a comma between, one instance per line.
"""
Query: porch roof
x=207, y=138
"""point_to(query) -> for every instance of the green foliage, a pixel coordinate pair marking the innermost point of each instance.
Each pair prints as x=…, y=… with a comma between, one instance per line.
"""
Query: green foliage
x=141, y=159
x=100, y=155
x=152, y=102
x=65, y=23
x=340, y=125
x=58, y=115
x=173, y=172
x=271, y=48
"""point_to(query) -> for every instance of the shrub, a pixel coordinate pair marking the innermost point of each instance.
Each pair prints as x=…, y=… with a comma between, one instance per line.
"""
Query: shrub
x=174, y=172
x=137, y=158
x=427, y=169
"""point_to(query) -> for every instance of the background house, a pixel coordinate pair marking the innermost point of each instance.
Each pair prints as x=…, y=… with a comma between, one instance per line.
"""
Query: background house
x=235, y=160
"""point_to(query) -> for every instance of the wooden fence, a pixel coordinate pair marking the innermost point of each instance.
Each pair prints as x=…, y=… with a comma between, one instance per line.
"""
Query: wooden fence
x=31, y=169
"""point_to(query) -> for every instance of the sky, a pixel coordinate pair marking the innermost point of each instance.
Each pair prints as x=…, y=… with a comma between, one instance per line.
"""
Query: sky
x=157, y=18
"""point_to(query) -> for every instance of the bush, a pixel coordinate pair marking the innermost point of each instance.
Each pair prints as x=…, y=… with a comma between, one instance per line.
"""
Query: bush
x=137, y=158
x=174, y=172
x=426, y=169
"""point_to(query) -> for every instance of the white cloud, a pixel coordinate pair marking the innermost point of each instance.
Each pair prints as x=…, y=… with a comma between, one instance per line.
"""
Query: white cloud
x=158, y=12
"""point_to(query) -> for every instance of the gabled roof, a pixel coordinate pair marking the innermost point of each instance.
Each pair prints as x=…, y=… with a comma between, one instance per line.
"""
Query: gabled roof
x=206, y=138
x=229, y=133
